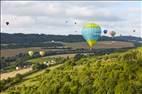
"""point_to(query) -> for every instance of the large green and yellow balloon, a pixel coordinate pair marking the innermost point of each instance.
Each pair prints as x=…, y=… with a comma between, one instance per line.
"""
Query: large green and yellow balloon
x=91, y=33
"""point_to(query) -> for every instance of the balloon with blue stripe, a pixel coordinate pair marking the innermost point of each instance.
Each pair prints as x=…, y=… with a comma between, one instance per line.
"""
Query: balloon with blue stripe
x=91, y=33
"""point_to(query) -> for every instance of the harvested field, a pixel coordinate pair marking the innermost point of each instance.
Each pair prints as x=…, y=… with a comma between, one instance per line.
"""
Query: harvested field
x=13, y=52
x=101, y=44
x=13, y=73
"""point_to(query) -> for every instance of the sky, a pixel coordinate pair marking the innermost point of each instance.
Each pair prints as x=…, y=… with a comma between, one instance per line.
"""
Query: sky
x=59, y=17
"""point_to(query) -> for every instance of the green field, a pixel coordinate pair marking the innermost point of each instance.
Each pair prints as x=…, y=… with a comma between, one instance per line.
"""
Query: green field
x=39, y=60
x=117, y=73
x=47, y=58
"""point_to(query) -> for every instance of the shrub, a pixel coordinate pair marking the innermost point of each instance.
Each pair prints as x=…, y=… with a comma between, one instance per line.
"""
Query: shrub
x=38, y=66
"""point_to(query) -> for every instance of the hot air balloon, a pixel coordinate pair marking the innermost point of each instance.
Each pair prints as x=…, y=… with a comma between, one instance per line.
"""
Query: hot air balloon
x=52, y=41
x=66, y=21
x=134, y=30
x=42, y=53
x=7, y=23
x=31, y=53
x=112, y=33
x=91, y=33
x=105, y=31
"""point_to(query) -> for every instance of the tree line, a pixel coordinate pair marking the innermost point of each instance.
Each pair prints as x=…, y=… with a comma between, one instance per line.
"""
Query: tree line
x=20, y=38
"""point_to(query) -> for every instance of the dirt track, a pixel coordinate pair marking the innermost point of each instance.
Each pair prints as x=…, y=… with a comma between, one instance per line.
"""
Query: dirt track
x=13, y=73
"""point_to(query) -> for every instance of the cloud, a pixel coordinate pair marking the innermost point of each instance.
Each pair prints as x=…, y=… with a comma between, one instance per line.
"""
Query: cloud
x=31, y=9
x=50, y=17
x=79, y=11
x=59, y=10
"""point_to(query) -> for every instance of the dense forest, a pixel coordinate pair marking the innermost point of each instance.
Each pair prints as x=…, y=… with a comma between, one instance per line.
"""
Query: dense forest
x=116, y=73
x=20, y=38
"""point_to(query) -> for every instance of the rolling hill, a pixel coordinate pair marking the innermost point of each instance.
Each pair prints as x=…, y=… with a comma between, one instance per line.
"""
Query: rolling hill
x=117, y=73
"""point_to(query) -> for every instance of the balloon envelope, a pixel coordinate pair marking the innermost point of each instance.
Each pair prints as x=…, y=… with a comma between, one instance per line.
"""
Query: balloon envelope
x=42, y=53
x=66, y=21
x=112, y=33
x=105, y=31
x=91, y=33
x=7, y=23
x=30, y=53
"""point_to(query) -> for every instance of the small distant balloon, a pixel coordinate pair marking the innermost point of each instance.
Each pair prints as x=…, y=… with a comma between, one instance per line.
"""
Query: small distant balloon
x=7, y=23
x=42, y=53
x=66, y=21
x=52, y=41
x=31, y=53
x=112, y=33
x=134, y=30
x=105, y=31
x=75, y=23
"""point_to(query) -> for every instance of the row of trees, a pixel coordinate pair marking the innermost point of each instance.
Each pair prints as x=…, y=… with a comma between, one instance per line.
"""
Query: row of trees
x=119, y=73
x=9, y=63
x=38, y=38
